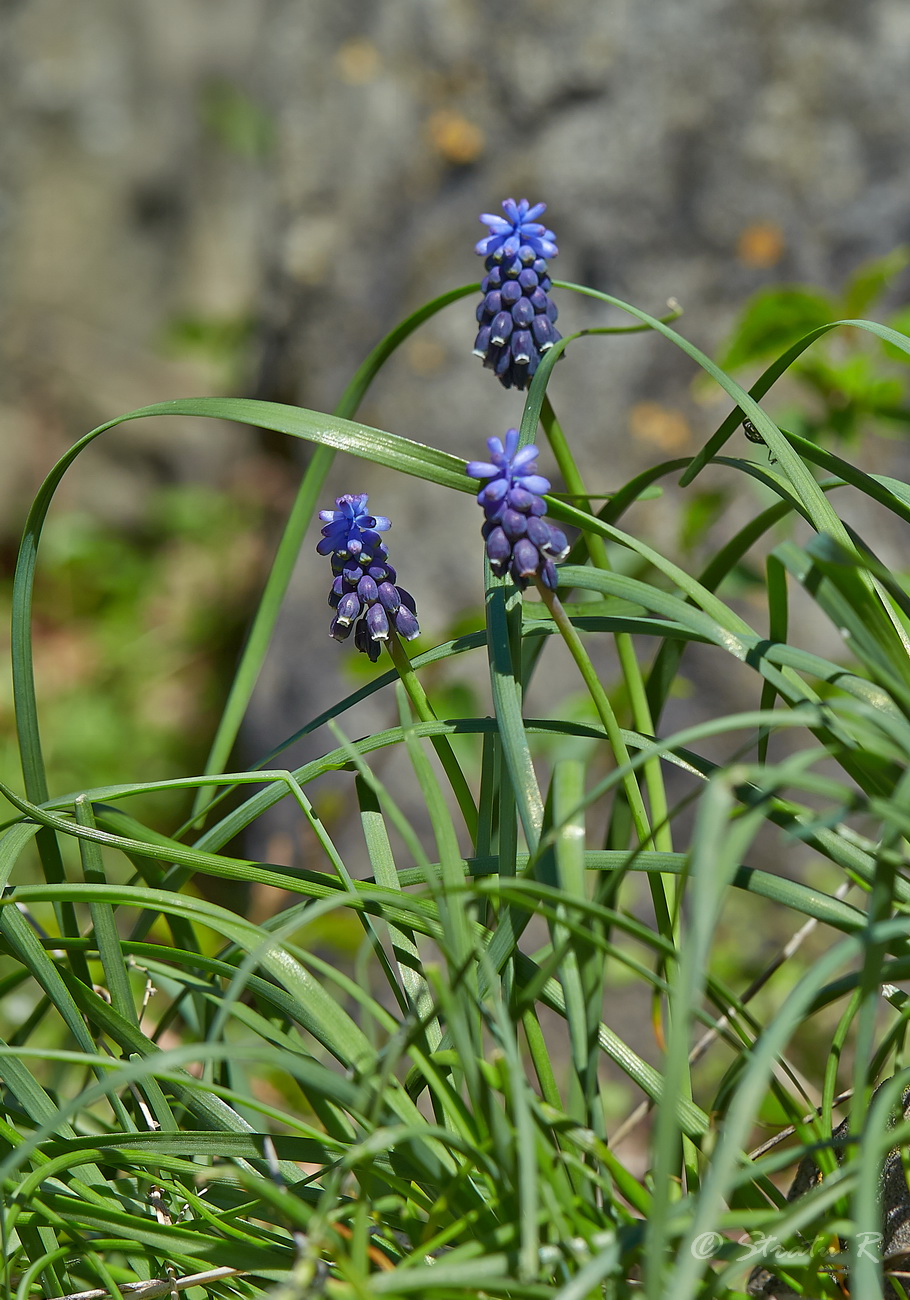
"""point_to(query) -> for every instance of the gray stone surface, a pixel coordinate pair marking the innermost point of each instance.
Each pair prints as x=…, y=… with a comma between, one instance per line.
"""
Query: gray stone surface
x=320, y=167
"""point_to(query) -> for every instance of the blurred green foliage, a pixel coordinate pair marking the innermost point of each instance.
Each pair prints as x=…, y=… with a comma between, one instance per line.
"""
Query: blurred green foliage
x=847, y=382
x=223, y=341
x=236, y=120
x=134, y=636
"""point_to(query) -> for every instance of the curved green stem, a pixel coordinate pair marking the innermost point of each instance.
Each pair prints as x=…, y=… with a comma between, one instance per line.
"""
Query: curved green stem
x=602, y=705
x=425, y=712
x=631, y=669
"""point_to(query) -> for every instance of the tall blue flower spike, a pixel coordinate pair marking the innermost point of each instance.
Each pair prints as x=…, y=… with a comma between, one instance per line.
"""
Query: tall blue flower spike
x=364, y=596
x=520, y=539
x=516, y=317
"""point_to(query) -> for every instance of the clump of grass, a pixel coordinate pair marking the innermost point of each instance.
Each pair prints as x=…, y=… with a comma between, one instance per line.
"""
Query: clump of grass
x=196, y=1101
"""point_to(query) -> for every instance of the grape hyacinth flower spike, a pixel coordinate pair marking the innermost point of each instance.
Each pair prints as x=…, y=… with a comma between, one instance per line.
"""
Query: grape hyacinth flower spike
x=364, y=596
x=520, y=539
x=516, y=316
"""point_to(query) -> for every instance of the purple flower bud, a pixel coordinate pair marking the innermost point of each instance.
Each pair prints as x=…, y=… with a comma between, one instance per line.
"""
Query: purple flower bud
x=406, y=624
x=363, y=641
x=525, y=558
x=499, y=548
x=481, y=469
x=514, y=525
x=538, y=531
x=377, y=621
x=503, y=363
x=340, y=631
x=367, y=589
x=481, y=343
x=389, y=597
x=348, y=609
x=522, y=313
x=520, y=498
x=522, y=347
x=544, y=333
x=492, y=493
x=549, y=575
x=370, y=540
x=501, y=328
x=558, y=545
x=535, y=483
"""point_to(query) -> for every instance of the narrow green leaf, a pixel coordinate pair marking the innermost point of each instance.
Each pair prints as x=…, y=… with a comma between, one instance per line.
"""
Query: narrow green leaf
x=715, y=1187
x=103, y=922
x=385, y=873
x=805, y=486
x=507, y=702
x=764, y=382
x=175, y=1241
x=37, y=1104
x=27, y=947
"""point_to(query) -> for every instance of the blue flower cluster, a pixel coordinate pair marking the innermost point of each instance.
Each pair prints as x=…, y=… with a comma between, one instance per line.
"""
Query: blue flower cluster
x=516, y=317
x=520, y=540
x=364, y=595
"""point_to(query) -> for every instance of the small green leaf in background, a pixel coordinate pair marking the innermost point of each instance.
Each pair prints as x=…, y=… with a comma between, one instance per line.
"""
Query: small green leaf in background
x=773, y=319
x=867, y=285
x=236, y=120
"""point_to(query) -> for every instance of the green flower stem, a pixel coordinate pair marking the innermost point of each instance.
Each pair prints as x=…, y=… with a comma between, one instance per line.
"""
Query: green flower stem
x=665, y=890
x=628, y=660
x=603, y=706
x=425, y=712
x=664, y=909
x=643, y=722
x=597, y=546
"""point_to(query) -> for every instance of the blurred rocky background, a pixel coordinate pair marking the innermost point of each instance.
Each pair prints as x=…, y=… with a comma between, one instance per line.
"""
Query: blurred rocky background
x=218, y=196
